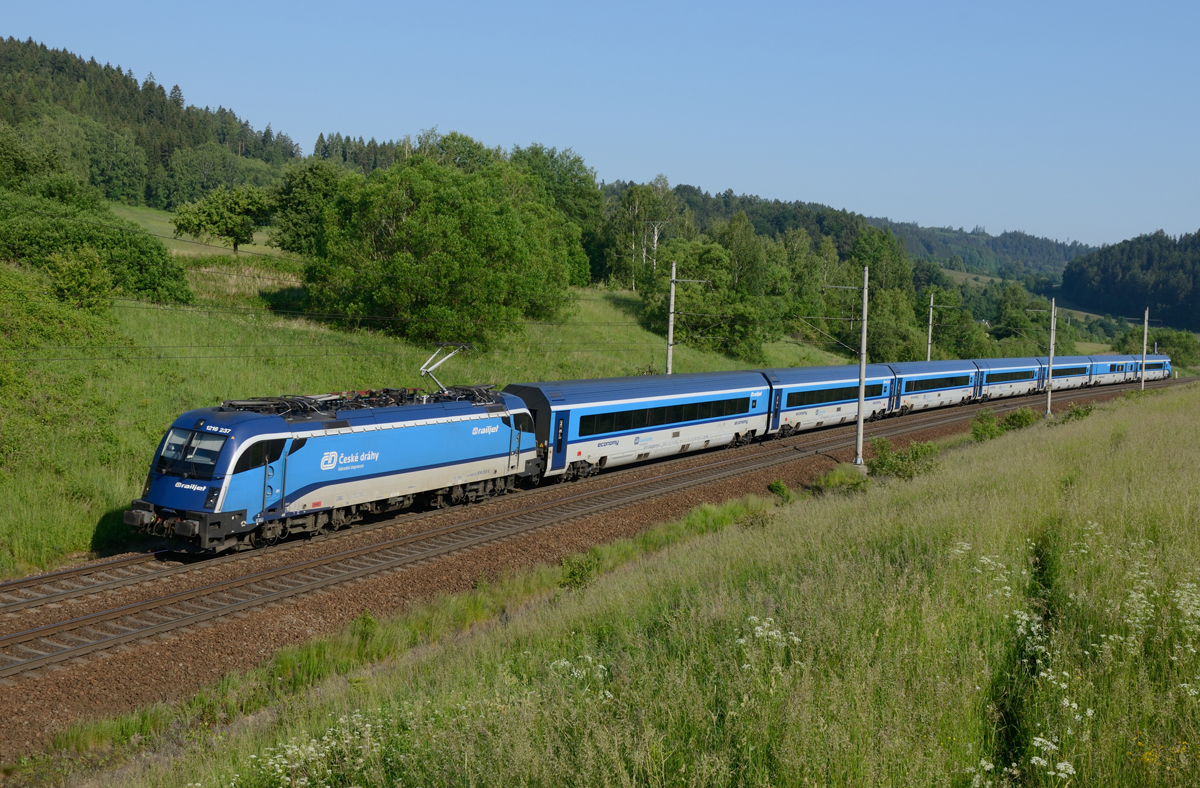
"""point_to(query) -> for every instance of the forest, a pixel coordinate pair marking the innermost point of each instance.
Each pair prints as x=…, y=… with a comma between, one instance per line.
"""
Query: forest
x=1153, y=270
x=441, y=237
x=137, y=143
x=1012, y=254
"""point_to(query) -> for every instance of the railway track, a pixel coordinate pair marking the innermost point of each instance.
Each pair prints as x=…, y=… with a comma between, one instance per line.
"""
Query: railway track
x=104, y=576
x=28, y=651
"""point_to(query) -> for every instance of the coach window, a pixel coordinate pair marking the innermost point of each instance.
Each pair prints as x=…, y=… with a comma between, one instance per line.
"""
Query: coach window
x=1067, y=372
x=929, y=384
x=623, y=421
x=604, y=423
x=1004, y=377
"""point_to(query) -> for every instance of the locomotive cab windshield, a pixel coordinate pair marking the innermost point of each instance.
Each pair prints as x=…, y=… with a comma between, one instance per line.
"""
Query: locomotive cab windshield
x=190, y=454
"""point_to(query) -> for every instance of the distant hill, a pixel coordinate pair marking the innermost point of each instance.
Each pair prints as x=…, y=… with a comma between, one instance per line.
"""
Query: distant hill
x=1013, y=254
x=140, y=143
x=772, y=217
x=1154, y=270
x=136, y=142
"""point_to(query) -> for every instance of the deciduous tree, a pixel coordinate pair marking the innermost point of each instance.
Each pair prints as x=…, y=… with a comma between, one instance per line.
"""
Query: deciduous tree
x=228, y=215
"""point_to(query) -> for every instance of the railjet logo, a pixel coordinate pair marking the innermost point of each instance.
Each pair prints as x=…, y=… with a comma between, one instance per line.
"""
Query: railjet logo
x=196, y=487
x=328, y=460
x=485, y=430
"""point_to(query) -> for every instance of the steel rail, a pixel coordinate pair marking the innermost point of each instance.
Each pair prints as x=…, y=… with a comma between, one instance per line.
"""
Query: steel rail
x=91, y=579
x=35, y=648
x=71, y=583
x=27, y=651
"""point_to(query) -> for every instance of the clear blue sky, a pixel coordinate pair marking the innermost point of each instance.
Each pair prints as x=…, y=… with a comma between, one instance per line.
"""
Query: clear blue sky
x=1070, y=120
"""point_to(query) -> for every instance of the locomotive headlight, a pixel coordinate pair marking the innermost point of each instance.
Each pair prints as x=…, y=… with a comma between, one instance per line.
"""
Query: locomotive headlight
x=210, y=500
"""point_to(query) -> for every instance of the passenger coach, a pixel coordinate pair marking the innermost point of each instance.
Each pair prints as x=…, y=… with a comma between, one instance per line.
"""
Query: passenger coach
x=587, y=425
x=1069, y=372
x=811, y=397
x=1008, y=377
x=1158, y=367
x=932, y=384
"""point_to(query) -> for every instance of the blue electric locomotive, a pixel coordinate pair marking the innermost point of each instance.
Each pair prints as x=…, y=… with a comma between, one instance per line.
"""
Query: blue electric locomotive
x=252, y=471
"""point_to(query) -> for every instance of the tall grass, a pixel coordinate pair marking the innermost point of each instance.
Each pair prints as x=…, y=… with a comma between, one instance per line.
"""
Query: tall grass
x=365, y=641
x=955, y=629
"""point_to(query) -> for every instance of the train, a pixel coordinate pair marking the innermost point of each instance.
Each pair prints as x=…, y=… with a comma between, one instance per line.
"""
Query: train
x=250, y=472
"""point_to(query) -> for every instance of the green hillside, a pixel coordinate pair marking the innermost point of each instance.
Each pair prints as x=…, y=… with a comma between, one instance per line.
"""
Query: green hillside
x=122, y=375
x=157, y=222
x=135, y=142
x=1154, y=271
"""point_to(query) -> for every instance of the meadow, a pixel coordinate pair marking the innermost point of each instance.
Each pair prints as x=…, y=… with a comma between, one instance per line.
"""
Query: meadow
x=85, y=397
x=158, y=222
x=1026, y=613
x=959, y=277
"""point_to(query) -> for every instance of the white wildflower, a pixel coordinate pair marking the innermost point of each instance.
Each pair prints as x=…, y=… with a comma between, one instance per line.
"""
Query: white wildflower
x=1044, y=745
x=1038, y=761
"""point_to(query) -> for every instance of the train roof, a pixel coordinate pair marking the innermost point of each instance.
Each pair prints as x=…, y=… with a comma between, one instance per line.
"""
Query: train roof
x=391, y=404
x=908, y=368
x=568, y=393
x=1007, y=363
x=245, y=419
x=1067, y=361
x=793, y=376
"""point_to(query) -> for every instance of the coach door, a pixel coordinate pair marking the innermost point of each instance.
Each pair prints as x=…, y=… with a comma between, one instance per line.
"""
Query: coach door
x=559, y=428
x=979, y=384
x=776, y=409
x=894, y=400
x=274, y=476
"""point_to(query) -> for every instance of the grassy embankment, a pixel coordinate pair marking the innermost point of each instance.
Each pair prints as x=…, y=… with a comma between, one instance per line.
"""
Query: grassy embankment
x=1026, y=613
x=76, y=435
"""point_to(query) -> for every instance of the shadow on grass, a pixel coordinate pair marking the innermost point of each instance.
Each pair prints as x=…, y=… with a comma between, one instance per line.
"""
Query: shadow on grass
x=628, y=303
x=287, y=299
x=111, y=535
